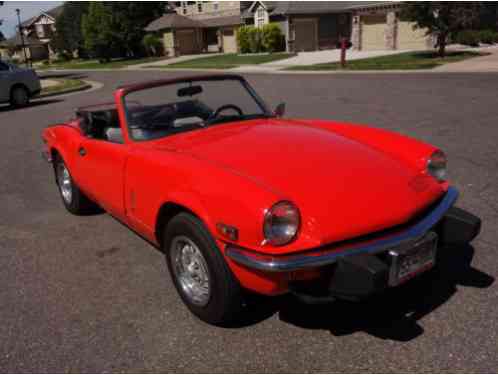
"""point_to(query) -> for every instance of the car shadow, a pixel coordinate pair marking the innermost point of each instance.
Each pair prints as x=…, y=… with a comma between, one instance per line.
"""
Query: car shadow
x=34, y=103
x=392, y=315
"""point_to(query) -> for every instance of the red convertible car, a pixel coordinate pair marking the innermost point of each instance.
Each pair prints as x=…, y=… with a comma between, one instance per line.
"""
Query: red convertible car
x=241, y=199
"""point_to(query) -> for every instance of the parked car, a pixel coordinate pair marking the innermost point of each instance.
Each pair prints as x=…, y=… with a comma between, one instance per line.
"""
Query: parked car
x=241, y=199
x=17, y=85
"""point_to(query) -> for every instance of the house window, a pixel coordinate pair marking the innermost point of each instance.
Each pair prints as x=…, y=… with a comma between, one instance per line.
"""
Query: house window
x=199, y=6
x=260, y=17
x=216, y=5
x=40, y=32
x=184, y=7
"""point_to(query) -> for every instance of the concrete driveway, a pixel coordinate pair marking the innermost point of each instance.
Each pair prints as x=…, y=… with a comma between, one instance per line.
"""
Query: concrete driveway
x=328, y=56
x=479, y=64
x=172, y=60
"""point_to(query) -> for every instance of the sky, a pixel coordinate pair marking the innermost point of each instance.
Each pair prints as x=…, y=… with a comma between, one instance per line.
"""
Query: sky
x=28, y=10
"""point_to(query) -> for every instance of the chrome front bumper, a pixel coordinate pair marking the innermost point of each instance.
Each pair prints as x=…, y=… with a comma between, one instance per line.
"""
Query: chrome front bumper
x=329, y=255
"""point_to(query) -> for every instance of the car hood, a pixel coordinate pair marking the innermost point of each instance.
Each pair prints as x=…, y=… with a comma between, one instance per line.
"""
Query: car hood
x=342, y=187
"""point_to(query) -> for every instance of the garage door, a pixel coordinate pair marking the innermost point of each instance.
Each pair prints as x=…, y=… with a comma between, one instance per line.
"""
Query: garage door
x=305, y=34
x=229, y=41
x=373, y=32
x=409, y=38
x=187, y=43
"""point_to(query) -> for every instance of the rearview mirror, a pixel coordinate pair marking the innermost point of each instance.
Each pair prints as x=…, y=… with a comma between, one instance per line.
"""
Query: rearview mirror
x=279, y=110
x=189, y=91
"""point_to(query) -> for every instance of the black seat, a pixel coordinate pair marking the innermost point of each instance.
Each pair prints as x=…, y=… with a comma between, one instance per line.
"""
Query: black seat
x=97, y=124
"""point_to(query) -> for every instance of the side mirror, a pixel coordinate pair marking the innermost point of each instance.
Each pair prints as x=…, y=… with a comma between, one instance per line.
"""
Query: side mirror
x=279, y=110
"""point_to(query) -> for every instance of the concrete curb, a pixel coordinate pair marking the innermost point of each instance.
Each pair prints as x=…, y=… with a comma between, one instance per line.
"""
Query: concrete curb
x=313, y=72
x=276, y=71
x=88, y=86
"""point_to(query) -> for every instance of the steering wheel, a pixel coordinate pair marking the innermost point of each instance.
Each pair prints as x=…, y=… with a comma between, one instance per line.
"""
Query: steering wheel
x=224, y=108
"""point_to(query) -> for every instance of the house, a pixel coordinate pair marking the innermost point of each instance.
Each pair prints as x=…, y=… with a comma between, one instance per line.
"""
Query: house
x=12, y=48
x=317, y=25
x=198, y=26
x=37, y=32
x=380, y=26
x=306, y=25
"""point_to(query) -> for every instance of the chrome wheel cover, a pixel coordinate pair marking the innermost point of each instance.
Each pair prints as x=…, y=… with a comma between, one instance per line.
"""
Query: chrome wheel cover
x=64, y=182
x=190, y=270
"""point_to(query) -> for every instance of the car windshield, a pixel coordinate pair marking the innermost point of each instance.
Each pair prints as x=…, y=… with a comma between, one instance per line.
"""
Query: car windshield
x=188, y=105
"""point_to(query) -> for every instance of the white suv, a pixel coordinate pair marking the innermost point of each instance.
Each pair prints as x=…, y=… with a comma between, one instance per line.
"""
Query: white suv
x=17, y=85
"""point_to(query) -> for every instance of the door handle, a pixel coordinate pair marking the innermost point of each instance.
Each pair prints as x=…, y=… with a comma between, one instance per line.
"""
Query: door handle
x=82, y=151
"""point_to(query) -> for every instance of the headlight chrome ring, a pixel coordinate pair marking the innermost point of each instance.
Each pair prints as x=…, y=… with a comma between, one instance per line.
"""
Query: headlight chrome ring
x=281, y=223
x=436, y=165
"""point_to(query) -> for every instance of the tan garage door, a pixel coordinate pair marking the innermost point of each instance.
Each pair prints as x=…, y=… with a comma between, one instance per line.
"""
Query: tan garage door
x=373, y=32
x=229, y=41
x=187, y=43
x=409, y=38
x=305, y=31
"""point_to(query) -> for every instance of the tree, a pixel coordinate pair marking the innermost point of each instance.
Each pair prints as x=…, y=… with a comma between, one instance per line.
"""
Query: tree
x=129, y=20
x=118, y=27
x=442, y=19
x=97, y=28
x=69, y=37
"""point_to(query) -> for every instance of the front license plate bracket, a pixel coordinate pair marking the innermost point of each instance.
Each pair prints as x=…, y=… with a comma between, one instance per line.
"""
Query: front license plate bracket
x=413, y=259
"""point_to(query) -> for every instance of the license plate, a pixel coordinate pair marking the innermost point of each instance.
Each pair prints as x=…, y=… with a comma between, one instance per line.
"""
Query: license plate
x=417, y=258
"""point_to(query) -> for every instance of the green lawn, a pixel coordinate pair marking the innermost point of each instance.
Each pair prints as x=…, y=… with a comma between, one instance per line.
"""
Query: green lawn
x=227, y=61
x=95, y=64
x=402, y=61
x=63, y=85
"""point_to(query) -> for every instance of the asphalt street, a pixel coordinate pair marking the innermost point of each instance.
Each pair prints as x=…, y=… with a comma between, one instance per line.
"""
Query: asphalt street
x=85, y=294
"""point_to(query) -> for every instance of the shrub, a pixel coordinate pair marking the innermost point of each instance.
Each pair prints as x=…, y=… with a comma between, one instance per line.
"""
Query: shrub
x=488, y=36
x=243, y=39
x=272, y=37
x=153, y=44
x=468, y=38
x=256, y=40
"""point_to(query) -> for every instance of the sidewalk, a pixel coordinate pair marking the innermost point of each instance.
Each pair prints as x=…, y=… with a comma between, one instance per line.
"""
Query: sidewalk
x=328, y=56
x=172, y=60
x=484, y=64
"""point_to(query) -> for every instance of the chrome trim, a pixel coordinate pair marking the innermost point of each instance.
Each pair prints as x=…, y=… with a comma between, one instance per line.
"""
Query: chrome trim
x=326, y=256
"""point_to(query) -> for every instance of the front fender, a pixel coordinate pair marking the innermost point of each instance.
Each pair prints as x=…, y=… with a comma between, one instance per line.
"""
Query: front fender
x=214, y=194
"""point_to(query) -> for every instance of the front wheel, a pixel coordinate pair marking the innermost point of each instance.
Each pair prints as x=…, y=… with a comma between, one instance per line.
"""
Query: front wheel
x=199, y=272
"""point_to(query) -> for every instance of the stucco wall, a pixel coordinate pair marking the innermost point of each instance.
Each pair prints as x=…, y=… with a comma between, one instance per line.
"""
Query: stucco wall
x=169, y=43
x=224, y=9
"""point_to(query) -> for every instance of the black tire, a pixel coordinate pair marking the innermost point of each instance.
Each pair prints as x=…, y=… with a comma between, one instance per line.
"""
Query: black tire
x=19, y=96
x=225, y=302
x=74, y=199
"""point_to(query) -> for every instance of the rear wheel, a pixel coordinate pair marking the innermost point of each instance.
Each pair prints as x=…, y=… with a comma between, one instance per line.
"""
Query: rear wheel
x=199, y=272
x=19, y=97
x=73, y=198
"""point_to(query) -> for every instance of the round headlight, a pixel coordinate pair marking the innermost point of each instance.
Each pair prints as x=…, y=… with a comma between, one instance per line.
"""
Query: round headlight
x=281, y=223
x=436, y=166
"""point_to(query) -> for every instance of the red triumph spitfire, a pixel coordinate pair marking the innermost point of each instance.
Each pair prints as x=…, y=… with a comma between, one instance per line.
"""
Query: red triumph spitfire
x=239, y=198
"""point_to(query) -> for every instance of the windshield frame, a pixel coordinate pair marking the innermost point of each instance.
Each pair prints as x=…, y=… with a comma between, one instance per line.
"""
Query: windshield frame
x=123, y=91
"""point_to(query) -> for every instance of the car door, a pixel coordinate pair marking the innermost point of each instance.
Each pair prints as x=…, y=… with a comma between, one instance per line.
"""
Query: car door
x=5, y=78
x=100, y=166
